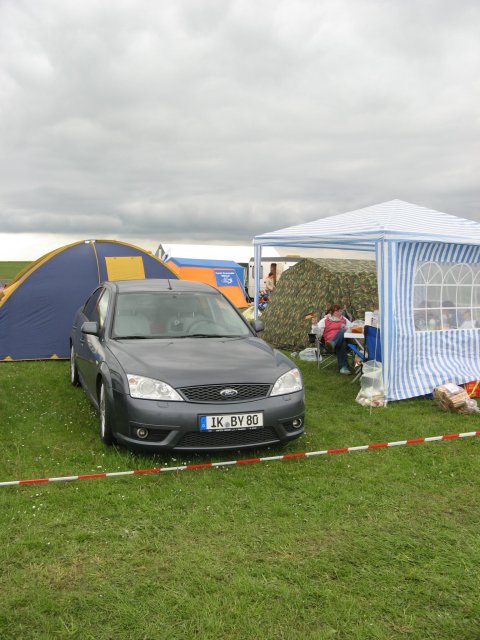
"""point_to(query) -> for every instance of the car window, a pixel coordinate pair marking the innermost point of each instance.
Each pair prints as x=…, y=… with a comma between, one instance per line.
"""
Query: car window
x=176, y=314
x=102, y=307
x=97, y=307
x=91, y=303
x=222, y=312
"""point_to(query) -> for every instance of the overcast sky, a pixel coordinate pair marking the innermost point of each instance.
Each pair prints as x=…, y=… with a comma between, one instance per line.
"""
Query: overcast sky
x=216, y=120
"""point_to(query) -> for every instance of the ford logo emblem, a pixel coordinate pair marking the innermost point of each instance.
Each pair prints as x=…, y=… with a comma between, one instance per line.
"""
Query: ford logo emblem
x=228, y=393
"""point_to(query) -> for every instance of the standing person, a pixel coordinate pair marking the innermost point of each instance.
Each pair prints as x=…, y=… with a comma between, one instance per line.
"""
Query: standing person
x=269, y=283
x=332, y=327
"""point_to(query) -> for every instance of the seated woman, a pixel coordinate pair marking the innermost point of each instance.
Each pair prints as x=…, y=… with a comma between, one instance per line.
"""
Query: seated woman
x=332, y=327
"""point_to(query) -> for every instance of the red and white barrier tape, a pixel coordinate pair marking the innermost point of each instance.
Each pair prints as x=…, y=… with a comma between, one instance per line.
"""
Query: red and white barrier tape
x=210, y=465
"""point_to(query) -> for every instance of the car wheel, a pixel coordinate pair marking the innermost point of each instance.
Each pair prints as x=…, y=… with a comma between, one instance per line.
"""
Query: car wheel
x=105, y=420
x=73, y=368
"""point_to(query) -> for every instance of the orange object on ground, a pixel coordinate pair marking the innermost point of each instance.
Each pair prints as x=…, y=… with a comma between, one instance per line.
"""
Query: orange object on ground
x=473, y=388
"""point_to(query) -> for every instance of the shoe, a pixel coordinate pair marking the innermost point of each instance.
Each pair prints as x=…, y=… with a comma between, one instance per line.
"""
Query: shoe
x=345, y=371
x=330, y=346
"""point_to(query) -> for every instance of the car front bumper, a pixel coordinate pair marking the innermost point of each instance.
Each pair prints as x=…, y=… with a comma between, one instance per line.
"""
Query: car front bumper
x=176, y=425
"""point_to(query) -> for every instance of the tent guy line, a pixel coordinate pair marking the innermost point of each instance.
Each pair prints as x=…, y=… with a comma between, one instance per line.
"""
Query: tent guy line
x=211, y=465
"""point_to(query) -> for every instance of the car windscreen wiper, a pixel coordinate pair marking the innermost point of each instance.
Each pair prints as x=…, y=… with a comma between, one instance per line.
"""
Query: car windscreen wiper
x=137, y=337
x=207, y=335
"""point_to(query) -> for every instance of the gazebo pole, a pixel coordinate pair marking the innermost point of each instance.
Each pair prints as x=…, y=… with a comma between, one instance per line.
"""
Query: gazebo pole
x=384, y=308
x=256, y=274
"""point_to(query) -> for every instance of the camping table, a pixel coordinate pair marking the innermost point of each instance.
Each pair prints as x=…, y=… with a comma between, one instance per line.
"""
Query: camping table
x=358, y=338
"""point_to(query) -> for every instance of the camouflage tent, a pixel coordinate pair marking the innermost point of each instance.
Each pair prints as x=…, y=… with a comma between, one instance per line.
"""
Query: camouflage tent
x=311, y=285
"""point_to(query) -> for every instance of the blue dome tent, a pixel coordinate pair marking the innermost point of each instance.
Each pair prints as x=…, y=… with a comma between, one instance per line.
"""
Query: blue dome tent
x=37, y=308
x=428, y=272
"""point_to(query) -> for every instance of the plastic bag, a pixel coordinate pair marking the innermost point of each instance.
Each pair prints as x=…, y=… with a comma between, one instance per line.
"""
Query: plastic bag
x=371, y=381
x=371, y=392
x=357, y=326
x=371, y=401
x=249, y=313
x=309, y=355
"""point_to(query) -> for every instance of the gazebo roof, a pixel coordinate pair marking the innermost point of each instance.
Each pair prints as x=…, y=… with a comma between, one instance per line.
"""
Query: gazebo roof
x=362, y=228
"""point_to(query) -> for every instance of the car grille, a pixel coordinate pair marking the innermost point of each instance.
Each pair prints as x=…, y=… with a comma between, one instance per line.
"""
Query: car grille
x=211, y=393
x=228, y=439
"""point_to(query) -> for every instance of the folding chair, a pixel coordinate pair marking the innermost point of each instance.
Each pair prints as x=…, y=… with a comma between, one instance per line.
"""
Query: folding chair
x=372, y=349
x=323, y=356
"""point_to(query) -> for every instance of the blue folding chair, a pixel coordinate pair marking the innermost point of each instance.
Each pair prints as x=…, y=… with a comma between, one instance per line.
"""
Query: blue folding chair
x=372, y=349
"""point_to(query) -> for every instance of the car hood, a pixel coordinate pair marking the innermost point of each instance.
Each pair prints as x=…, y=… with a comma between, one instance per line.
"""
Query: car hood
x=196, y=361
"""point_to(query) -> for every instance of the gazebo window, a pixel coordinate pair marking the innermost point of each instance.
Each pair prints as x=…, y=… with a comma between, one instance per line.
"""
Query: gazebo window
x=446, y=296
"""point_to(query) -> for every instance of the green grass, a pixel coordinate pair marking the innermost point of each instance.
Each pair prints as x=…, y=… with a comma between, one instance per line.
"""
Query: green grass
x=377, y=544
x=9, y=270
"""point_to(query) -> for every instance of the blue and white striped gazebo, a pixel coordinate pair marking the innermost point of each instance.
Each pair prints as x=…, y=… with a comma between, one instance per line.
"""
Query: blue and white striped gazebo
x=428, y=269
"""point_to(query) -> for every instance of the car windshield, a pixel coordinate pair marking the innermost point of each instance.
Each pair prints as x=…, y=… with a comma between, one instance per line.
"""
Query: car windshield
x=170, y=314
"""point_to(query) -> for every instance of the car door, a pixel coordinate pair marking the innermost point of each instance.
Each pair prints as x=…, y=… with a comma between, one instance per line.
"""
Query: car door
x=90, y=348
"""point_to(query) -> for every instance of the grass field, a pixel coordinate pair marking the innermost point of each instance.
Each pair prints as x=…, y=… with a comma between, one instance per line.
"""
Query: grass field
x=9, y=270
x=382, y=544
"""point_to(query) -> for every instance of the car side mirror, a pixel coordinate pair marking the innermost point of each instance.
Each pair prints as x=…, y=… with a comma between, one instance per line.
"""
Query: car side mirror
x=91, y=328
x=257, y=325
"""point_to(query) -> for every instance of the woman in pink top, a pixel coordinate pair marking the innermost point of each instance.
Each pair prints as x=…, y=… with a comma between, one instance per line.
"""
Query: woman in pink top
x=332, y=327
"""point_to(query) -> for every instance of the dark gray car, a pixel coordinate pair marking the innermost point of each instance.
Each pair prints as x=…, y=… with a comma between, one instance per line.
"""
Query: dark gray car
x=172, y=365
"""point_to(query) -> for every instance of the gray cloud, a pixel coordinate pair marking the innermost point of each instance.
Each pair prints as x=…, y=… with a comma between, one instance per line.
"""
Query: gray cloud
x=219, y=120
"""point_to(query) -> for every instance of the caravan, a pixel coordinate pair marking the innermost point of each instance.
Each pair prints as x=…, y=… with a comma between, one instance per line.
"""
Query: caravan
x=274, y=264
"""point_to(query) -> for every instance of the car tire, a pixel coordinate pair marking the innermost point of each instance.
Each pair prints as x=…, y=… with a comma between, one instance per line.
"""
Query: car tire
x=104, y=417
x=74, y=379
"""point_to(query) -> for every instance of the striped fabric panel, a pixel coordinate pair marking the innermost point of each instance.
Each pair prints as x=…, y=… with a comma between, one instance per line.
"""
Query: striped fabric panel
x=393, y=220
x=420, y=361
x=386, y=270
x=358, y=244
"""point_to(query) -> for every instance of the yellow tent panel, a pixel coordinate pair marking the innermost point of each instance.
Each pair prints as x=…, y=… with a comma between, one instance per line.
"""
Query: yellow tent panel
x=125, y=268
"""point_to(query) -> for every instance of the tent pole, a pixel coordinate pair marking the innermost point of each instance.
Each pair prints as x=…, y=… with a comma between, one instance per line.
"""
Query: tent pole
x=92, y=245
x=256, y=274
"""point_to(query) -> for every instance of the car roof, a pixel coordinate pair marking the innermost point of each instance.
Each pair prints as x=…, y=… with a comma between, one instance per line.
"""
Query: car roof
x=154, y=284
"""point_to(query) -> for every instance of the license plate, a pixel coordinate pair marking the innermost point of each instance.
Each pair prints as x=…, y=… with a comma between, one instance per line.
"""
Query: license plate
x=226, y=421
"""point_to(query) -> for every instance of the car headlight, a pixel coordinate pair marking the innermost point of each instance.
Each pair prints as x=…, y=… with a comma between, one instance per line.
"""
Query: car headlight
x=150, y=389
x=288, y=383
